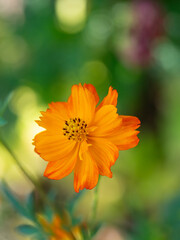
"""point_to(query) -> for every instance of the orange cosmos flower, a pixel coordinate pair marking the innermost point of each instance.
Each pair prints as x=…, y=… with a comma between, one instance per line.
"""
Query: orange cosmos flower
x=83, y=138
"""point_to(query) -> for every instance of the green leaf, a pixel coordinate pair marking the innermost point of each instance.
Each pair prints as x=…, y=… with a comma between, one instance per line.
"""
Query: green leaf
x=30, y=206
x=96, y=229
x=5, y=103
x=27, y=229
x=25, y=211
x=14, y=201
x=30, y=201
x=2, y=122
x=48, y=212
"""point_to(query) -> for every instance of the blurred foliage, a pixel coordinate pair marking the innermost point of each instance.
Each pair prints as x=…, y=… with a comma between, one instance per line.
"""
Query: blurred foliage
x=50, y=223
x=45, y=48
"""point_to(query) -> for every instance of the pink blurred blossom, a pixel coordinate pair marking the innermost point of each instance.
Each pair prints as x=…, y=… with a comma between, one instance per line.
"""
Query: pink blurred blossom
x=109, y=233
x=11, y=8
x=146, y=30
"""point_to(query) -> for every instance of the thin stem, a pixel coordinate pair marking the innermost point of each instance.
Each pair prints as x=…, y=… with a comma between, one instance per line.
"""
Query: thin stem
x=95, y=204
x=89, y=6
x=29, y=177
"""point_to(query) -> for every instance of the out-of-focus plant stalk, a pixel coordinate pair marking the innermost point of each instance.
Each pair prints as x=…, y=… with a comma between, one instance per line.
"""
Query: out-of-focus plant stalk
x=89, y=5
x=95, y=204
x=29, y=177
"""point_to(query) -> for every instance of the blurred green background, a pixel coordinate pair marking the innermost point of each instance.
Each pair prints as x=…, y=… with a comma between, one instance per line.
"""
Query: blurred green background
x=46, y=46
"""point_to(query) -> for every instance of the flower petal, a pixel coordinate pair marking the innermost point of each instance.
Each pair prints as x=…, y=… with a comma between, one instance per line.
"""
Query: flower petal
x=92, y=89
x=83, y=148
x=106, y=120
x=110, y=99
x=63, y=167
x=52, y=147
x=86, y=173
x=126, y=136
x=54, y=117
x=130, y=121
x=104, y=154
x=81, y=103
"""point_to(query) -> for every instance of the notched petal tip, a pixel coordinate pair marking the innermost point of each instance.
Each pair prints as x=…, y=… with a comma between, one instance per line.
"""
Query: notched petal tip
x=43, y=112
x=130, y=120
x=48, y=175
x=45, y=174
x=130, y=143
x=51, y=104
x=108, y=174
x=81, y=188
x=92, y=89
x=38, y=122
x=138, y=120
x=110, y=99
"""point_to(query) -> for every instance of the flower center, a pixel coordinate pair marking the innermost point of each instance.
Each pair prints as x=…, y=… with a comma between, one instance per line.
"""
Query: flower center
x=75, y=129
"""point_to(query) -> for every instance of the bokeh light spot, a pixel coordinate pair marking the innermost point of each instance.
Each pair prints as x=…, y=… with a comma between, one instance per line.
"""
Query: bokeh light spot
x=94, y=72
x=168, y=56
x=71, y=14
x=99, y=29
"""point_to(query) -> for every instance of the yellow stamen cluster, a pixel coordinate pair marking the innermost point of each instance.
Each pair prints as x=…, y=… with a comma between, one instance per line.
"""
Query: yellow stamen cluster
x=75, y=129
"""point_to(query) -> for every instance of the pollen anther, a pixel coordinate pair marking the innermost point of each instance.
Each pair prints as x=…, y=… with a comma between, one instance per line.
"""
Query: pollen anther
x=75, y=129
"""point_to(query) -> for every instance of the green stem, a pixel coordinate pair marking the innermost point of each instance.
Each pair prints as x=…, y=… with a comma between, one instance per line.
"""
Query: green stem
x=29, y=177
x=32, y=180
x=89, y=6
x=95, y=204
